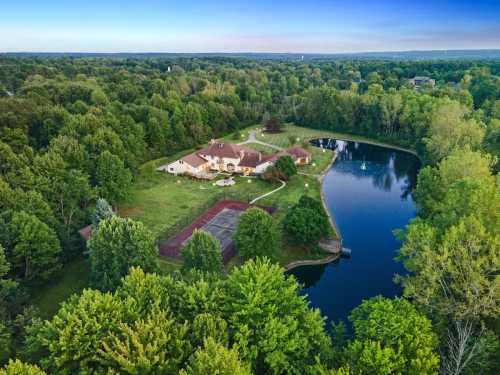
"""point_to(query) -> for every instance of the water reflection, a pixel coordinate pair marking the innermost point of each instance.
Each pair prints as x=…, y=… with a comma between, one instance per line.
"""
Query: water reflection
x=383, y=168
x=368, y=204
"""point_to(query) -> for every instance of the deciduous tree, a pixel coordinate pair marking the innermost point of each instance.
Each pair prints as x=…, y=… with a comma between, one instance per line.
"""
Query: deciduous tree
x=390, y=336
x=256, y=234
x=306, y=222
x=286, y=167
x=202, y=252
x=113, y=178
x=116, y=246
x=273, y=327
x=35, y=247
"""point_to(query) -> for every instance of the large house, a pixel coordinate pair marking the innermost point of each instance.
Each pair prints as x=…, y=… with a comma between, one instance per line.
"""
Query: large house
x=230, y=158
x=419, y=81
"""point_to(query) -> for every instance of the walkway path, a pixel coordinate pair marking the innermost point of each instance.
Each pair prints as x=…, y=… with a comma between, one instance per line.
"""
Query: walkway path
x=312, y=262
x=252, y=138
x=283, y=184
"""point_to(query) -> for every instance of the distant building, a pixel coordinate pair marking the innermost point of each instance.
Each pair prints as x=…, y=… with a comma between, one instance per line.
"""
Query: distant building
x=230, y=158
x=419, y=81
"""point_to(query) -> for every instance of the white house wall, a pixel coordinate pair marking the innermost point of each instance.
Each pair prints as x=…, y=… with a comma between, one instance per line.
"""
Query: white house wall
x=261, y=168
x=227, y=161
x=177, y=167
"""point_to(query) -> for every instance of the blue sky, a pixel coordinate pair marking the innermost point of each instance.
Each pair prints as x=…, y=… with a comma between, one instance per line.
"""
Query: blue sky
x=247, y=26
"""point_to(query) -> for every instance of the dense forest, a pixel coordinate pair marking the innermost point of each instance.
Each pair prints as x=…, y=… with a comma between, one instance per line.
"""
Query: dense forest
x=76, y=129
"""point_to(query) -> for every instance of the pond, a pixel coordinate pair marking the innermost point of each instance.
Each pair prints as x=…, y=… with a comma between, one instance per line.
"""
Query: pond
x=368, y=190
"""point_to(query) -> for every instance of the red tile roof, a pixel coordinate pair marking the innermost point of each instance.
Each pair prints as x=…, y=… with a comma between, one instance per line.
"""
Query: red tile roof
x=194, y=160
x=298, y=152
x=222, y=150
x=251, y=160
x=86, y=232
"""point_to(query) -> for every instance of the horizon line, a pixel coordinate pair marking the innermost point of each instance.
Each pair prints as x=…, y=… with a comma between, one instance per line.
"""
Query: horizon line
x=251, y=52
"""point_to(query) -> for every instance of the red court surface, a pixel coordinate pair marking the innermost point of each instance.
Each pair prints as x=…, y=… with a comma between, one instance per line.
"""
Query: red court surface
x=220, y=220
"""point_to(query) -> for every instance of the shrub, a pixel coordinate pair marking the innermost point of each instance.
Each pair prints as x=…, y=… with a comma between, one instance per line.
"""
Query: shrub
x=286, y=167
x=273, y=125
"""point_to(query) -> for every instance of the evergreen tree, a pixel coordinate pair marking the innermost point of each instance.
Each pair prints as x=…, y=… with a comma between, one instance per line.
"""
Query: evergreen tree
x=16, y=367
x=155, y=345
x=103, y=211
x=214, y=358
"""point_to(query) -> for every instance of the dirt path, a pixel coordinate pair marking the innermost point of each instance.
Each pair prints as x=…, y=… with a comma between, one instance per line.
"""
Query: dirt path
x=314, y=262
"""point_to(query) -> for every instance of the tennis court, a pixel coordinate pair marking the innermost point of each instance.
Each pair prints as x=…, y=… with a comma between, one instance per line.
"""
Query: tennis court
x=221, y=221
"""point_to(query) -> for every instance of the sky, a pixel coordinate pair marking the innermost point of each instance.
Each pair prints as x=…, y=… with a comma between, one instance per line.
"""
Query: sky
x=280, y=26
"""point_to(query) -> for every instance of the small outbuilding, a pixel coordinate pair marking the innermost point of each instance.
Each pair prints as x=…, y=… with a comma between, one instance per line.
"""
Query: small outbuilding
x=299, y=155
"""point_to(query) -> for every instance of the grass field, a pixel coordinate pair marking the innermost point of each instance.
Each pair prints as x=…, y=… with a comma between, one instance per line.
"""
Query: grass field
x=164, y=202
x=261, y=148
x=304, y=134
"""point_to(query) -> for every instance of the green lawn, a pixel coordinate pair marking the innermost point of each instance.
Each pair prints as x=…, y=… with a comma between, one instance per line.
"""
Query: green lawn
x=73, y=279
x=305, y=134
x=168, y=265
x=261, y=148
x=165, y=203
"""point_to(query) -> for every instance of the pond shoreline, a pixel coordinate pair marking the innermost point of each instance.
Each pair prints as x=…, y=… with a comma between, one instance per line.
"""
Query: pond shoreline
x=323, y=199
x=331, y=257
x=378, y=143
x=312, y=262
x=368, y=192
